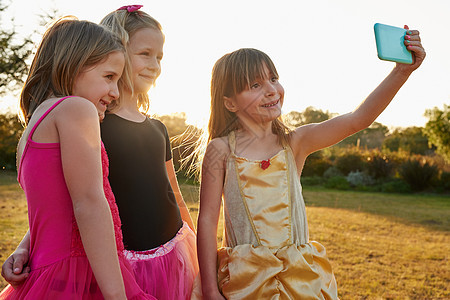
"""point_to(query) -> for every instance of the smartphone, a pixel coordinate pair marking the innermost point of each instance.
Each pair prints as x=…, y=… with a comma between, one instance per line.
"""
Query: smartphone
x=390, y=44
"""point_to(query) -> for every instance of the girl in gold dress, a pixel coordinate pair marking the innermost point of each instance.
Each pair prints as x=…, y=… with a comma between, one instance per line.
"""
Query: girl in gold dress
x=253, y=162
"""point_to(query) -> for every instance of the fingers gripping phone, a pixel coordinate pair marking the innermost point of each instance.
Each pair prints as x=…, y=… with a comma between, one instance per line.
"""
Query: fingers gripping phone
x=390, y=44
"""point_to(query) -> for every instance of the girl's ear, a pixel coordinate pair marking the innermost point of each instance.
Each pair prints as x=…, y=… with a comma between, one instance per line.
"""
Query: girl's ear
x=229, y=104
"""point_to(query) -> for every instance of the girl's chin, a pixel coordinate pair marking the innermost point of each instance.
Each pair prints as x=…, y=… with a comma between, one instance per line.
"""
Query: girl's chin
x=101, y=115
x=265, y=118
x=143, y=88
x=272, y=114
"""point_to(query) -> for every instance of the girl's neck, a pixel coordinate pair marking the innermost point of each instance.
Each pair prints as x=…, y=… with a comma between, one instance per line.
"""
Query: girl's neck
x=128, y=108
x=256, y=144
x=256, y=130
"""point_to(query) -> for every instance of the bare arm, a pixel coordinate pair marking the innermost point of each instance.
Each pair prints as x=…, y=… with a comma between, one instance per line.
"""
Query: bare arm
x=312, y=137
x=15, y=269
x=211, y=188
x=184, y=211
x=79, y=134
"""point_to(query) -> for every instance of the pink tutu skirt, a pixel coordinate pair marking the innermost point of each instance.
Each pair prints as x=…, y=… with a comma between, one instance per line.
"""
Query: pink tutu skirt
x=70, y=278
x=168, y=271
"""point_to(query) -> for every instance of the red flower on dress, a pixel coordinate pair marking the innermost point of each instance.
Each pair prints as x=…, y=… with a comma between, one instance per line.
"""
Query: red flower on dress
x=265, y=164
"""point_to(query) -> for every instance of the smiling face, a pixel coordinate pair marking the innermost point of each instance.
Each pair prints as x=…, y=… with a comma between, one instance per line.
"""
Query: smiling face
x=261, y=101
x=98, y=83
x=146, y=52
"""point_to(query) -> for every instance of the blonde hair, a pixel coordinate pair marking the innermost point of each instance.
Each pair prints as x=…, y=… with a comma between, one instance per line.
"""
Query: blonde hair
x=124, y=24
x=233, y=73
x=67, y=47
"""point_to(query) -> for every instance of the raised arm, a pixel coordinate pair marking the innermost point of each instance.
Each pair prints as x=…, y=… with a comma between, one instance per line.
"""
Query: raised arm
x=212, y=178
x=184, y=211
x=79, y=134
x=312, y=137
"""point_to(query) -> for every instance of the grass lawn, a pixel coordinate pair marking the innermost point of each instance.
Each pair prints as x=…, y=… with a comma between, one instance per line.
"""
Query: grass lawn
x=381, y=246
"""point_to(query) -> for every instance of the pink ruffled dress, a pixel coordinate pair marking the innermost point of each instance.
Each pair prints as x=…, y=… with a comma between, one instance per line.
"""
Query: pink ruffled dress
x=59, y=266
x=167, y=271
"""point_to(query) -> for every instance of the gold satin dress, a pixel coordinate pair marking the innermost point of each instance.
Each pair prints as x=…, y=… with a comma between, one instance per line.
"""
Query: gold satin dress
x=266, y=251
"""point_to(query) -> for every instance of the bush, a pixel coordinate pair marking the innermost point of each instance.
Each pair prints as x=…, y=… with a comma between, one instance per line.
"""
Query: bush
x=337, y=182
x=332, y=172
x=350, y=161
x=444, y=181
x=359, y=178
x=312, y=180
x=419, y=174
x=10, y=131
x=395, y=186
x=379, y=165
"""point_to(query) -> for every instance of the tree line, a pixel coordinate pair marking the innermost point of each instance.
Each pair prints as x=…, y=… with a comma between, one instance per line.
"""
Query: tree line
x=431, y=141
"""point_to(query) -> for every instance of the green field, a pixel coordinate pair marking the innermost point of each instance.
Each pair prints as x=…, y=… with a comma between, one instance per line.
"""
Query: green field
x=381, y=246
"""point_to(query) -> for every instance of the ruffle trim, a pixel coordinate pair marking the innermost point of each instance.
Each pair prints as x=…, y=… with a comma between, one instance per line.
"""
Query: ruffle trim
x=160, y=250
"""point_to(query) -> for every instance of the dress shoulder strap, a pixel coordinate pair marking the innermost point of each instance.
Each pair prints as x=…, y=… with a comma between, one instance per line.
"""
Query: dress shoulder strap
x=44, y=115
x=30, y=135
x=232, y=141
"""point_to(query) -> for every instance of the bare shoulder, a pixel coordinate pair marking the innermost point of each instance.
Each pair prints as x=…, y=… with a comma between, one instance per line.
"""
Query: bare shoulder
x=77, y=116
x=221, y=143
x=76, y=111
x=214, y=166
x=216, y=154
x=75, y=105
x=218, y=147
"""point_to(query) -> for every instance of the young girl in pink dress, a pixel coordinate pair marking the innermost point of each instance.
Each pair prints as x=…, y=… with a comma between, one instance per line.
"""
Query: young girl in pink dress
x=74, y=238
x=253, y=163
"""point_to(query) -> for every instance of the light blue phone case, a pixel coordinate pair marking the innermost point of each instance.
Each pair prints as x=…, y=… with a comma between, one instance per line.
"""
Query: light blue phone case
x=390, y=44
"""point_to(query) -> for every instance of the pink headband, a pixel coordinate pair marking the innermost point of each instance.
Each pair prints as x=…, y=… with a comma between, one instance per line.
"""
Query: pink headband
x=130, y=8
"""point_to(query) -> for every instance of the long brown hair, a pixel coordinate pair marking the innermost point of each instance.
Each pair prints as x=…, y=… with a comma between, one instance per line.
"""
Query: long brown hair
x=124, y=24
x=232, y=73
x=67, y=47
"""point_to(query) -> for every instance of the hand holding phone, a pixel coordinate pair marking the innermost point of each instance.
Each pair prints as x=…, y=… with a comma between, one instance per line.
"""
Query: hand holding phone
x=390, y=44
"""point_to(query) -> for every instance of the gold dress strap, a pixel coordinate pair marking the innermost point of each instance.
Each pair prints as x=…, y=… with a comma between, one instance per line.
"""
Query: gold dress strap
x=232, y=142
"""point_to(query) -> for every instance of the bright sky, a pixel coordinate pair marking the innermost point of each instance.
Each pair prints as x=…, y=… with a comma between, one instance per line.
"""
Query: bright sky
x=324, y=50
